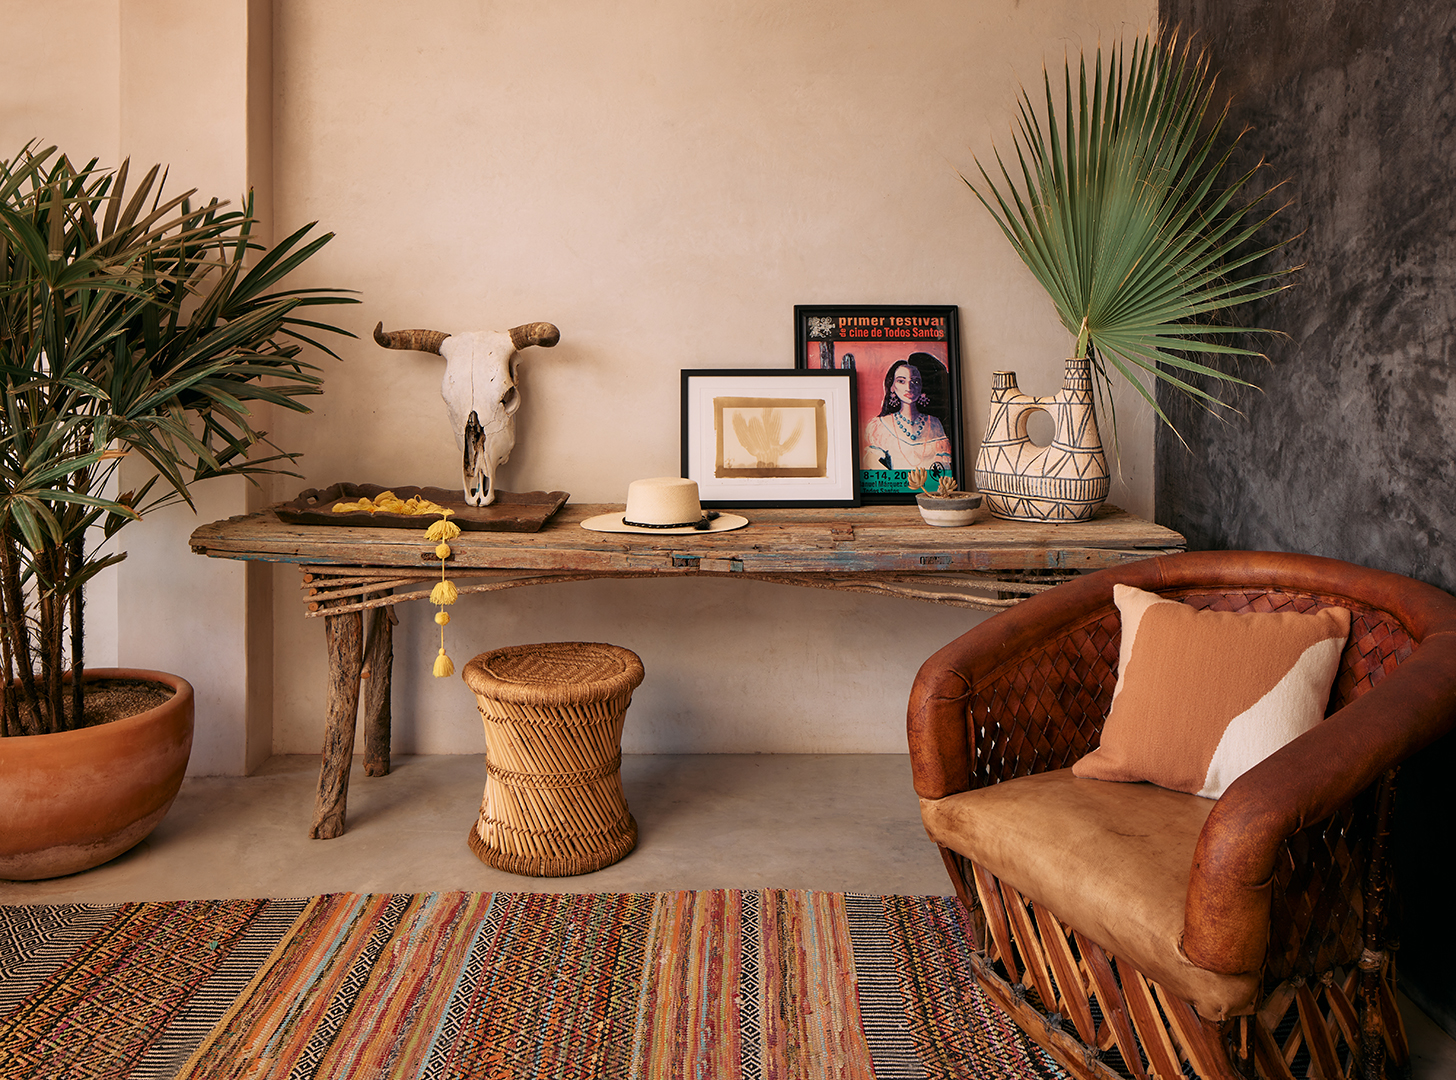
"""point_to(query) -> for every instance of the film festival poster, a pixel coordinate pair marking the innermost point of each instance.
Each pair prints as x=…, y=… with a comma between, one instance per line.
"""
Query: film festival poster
x=906, y=361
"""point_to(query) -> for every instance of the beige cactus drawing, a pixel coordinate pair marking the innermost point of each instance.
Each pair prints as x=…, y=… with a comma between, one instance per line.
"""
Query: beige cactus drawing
x=762, y=436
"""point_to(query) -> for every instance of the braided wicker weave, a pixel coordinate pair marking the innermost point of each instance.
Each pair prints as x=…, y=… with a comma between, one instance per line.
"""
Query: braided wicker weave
x=553, y=803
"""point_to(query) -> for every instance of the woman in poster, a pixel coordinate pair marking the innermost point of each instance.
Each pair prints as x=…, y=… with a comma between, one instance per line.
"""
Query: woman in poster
x=904, y=435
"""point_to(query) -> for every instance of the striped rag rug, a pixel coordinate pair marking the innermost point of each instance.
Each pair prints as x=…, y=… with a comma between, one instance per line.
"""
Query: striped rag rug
x=502, y=986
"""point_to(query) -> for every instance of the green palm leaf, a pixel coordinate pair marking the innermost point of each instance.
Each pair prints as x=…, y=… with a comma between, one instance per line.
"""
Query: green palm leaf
x=1116, y=207
x=130, y=323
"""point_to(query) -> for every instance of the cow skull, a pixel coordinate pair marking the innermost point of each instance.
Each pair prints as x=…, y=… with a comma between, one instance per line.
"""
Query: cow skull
x=480, y=392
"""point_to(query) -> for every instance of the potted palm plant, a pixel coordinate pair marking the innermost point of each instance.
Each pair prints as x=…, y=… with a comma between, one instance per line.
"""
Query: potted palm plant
x=1122, y=210
x=130, y=324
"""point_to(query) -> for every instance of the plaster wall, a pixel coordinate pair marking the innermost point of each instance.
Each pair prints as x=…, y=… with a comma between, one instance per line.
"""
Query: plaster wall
x=79, y=108
x=664, y=182
x=60, y=86
x=167, y=600
x=1348, y=450
x=103, y=79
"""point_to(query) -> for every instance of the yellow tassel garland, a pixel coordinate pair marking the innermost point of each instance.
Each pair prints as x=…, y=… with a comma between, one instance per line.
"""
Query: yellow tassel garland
x=445, y=592
x=388, y=502
x=444, y=529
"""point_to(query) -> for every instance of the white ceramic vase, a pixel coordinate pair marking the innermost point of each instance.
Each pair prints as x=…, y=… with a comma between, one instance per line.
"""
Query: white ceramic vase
x=1066, y=480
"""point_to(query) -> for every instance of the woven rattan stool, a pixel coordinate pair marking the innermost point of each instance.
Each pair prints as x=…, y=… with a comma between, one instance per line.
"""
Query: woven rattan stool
x=553, y=803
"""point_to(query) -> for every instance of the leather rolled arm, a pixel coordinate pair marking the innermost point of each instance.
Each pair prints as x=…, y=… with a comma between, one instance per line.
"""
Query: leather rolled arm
x=1227, y=915
x=940, y=734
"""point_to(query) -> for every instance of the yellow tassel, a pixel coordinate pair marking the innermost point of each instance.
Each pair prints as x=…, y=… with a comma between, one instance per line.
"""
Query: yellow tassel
x=445, y=592
x=444, y=529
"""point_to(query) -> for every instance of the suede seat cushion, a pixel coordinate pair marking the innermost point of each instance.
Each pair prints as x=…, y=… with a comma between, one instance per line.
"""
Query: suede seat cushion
x=1111, y=860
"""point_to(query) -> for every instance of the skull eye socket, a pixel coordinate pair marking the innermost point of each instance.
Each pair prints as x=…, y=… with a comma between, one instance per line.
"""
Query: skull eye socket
x=511, y=401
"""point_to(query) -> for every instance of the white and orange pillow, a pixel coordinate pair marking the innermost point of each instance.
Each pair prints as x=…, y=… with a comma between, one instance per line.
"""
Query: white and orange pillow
x=1204, y=696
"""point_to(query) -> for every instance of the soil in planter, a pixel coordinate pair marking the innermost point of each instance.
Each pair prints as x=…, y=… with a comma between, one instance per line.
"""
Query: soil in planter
x=114, y=699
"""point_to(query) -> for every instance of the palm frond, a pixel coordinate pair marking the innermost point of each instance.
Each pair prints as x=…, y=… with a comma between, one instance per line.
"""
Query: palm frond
x=1120, y=209
x=130, y=320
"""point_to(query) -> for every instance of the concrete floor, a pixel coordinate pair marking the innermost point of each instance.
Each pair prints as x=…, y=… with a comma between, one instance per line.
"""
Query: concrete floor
x=839, y=823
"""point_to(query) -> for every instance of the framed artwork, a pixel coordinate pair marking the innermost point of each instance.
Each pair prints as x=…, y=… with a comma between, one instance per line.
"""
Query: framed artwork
x=907, y=365
x=770, y=437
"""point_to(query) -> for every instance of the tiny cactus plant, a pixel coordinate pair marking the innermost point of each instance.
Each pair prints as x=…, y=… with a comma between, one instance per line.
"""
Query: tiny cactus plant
x=945, y=486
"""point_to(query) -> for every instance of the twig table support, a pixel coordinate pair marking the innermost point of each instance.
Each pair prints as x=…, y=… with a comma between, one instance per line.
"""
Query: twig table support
x=888, y=550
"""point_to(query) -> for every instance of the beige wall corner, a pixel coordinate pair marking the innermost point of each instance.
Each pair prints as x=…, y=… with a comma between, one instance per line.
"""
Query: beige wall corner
x=207, y=119
x=59, y=89
x=663, y=182
x=102, y=78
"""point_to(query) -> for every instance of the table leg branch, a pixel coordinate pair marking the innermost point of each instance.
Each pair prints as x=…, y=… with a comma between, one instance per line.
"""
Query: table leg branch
x=378, y=672
x=344, y=634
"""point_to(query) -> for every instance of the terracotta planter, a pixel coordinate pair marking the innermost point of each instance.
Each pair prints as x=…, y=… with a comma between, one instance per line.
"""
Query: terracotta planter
x=76, y=799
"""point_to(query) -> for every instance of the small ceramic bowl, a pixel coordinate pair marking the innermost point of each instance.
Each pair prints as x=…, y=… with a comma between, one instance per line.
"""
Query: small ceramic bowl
x=952, y=512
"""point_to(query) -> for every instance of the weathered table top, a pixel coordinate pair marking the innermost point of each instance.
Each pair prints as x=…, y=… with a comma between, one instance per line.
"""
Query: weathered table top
x=990, y=564
x=887, y=549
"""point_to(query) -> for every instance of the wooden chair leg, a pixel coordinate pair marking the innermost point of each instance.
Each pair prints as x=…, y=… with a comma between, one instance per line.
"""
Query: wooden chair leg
x=377, y=675
x=1241, y=1048
x=1373, y=959
x=1050, y=976
x=1322, y=1036
x=343, y=634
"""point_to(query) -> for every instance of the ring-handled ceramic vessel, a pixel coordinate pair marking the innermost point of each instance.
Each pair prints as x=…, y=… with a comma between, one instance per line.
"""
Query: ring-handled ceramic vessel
x=76, y=799
x=1065, y=481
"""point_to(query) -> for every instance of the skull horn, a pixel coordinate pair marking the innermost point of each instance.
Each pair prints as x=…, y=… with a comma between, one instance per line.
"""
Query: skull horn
x=417, y=340
x=534, y=333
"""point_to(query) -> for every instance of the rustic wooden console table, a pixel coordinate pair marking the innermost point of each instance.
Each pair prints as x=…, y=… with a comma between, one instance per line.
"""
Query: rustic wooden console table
x=888, y=550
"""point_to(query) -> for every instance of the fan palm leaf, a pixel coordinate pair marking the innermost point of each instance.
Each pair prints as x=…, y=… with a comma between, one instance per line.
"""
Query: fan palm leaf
x=1115, y=203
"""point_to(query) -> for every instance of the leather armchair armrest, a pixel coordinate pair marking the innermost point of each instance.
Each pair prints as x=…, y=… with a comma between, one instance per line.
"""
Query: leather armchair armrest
x=941, y=741
x=940, y=731
x=1227, y=915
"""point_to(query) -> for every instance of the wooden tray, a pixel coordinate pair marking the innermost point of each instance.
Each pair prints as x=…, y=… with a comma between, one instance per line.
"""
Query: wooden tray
x=524, y=511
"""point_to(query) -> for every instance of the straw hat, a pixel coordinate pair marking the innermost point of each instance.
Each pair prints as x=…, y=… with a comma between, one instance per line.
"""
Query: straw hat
x=664, y=504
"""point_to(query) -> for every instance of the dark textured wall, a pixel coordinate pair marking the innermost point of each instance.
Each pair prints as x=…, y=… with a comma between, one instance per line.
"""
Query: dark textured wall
x=1350, y=451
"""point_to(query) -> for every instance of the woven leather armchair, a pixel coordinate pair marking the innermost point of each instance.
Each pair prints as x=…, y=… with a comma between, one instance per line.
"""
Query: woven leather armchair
x=1134, y=931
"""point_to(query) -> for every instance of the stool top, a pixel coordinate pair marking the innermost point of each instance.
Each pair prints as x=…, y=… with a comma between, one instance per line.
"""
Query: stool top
x=554, y=673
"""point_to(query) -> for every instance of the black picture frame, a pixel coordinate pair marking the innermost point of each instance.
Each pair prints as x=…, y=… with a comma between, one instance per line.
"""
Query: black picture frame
x=875, y=339
x=810, y=415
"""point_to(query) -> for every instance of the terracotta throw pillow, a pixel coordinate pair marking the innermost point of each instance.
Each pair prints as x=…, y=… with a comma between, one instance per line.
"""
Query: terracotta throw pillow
x=1204, y=696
